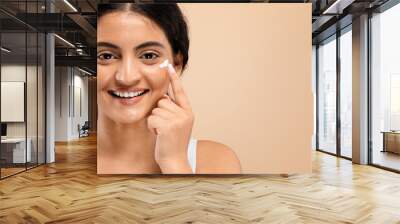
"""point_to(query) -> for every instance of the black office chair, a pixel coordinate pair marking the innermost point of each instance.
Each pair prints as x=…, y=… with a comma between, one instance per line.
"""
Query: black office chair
x=84, y=130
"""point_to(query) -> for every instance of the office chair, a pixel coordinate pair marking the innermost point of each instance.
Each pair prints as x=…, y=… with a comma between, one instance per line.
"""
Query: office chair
x=84, y=130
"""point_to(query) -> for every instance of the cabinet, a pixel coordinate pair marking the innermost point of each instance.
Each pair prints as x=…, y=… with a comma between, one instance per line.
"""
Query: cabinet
x=391, y=142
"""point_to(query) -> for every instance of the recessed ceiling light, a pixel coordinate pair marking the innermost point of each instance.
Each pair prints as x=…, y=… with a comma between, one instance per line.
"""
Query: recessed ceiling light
x=5, y=50
x=337, y=7
x=86, y=72
x=70, y=5
x=64, y=40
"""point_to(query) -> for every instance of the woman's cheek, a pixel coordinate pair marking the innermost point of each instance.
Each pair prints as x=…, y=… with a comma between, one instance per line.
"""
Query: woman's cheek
x=157, y=78
x=104, y=77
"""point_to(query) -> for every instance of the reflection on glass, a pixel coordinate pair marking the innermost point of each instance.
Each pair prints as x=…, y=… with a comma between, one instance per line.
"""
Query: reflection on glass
x=327, y=96
x=31, y=101
x=346, y=94
x=22, y=89
x=41, y=99
x=13, y=84
x=386, y=89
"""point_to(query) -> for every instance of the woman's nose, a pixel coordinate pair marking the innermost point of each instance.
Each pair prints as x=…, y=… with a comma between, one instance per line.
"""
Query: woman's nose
x=127, y=74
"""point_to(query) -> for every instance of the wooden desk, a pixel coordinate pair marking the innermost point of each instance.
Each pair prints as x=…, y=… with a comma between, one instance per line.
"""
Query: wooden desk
x=391, y=141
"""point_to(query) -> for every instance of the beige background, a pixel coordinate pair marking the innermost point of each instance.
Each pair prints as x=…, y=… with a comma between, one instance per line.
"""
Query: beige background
x=249, y=82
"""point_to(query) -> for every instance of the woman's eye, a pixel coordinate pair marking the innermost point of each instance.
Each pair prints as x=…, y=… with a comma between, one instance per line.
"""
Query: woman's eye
x=105, y=56
x=149, y=56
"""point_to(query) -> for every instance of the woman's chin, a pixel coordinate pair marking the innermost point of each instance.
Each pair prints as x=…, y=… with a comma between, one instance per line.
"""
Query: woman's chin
x=128, y=118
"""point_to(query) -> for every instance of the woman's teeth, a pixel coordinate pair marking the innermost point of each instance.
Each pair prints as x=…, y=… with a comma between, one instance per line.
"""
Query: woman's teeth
x=128, y=94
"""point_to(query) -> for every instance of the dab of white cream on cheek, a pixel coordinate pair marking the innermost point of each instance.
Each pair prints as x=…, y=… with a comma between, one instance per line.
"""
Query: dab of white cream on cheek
x=155, y=69
x=164, y=64
x=167, y=65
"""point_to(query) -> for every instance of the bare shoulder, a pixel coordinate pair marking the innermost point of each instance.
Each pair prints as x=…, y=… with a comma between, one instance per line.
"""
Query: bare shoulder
x=216, y=158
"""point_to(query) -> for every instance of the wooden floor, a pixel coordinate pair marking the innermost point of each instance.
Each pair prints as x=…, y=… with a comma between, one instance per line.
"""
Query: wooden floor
x=387, y=159
x=69, y=191
x=10, y=171
x=5, y=172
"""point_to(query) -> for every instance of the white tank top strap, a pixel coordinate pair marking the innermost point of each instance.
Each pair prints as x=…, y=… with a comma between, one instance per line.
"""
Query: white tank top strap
x=192, y=151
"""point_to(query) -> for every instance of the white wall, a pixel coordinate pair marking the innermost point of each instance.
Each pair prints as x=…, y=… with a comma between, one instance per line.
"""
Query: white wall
x=34, y=125
x=12, y=101
x=80, y=100
x=69, y=85
x=12, y=73
x=61, y=103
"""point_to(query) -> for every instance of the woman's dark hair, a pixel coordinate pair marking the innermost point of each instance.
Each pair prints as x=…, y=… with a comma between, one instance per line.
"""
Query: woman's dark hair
x=167, y=16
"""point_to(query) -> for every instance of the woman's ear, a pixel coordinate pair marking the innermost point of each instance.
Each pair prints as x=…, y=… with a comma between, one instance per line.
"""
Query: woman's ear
x=178, y=64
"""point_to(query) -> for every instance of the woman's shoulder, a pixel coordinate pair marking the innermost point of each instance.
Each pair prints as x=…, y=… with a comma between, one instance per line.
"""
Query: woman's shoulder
x=217, y=158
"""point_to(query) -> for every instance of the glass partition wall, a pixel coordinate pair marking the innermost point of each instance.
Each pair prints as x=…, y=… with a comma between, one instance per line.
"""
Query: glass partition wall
x=22, y=77
x=13, y=90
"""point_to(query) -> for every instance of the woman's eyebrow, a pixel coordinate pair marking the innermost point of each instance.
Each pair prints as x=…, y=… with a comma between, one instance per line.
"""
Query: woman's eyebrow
x=106, y=44
x=149, y=44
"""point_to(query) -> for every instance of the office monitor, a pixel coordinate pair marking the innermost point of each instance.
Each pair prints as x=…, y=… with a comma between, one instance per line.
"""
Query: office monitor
x=3, y=129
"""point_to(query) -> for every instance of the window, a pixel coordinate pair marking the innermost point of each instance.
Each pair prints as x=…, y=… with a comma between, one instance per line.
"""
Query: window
x=327, y=95
x=385, y=88
x=346, y=92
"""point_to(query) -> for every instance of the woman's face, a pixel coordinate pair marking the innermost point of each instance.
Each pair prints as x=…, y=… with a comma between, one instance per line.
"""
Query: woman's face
x=130, y=48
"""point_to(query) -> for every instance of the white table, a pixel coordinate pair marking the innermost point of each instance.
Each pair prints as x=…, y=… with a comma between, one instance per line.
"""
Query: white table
x=18, y=144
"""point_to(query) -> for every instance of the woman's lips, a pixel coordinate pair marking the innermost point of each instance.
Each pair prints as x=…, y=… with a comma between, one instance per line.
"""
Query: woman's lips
x=128, y=98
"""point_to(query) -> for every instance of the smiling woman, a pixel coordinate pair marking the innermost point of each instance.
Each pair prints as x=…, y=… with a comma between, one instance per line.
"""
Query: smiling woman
x=144, y=116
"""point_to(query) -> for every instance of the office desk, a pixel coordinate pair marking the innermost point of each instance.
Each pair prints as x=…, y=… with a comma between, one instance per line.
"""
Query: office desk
x=13, y=150
x=391, y=141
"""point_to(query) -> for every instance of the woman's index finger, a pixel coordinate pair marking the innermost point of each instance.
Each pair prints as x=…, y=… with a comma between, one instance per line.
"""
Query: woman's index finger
x=177, y=87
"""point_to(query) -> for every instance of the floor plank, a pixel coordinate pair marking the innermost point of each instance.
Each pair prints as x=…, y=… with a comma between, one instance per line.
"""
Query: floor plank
x=69, y=191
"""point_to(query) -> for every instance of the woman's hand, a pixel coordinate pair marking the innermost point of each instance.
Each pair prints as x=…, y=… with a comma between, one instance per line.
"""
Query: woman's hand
x=172, y=122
